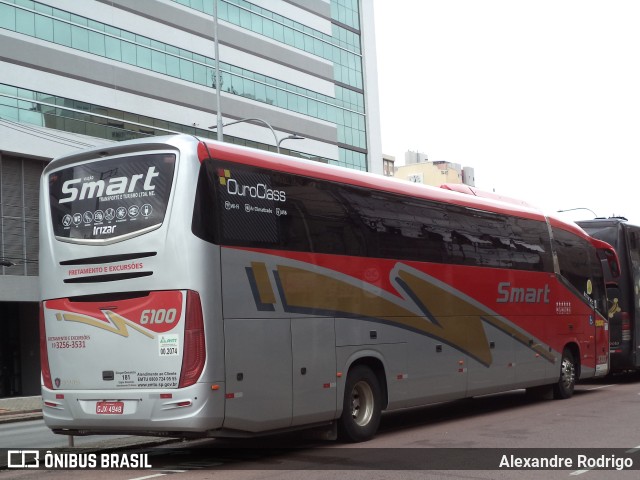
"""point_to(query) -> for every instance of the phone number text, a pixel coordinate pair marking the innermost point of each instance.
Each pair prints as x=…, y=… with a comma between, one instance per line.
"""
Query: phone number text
x=69, y=344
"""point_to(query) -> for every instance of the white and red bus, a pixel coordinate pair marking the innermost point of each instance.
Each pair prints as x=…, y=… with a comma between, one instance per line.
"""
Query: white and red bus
x=194, y=288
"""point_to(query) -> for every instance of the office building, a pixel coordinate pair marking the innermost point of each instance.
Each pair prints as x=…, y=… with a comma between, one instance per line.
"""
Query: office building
x=75, y=74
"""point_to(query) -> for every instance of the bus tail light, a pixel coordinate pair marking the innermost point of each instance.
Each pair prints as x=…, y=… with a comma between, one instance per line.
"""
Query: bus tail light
x=44, y=357
x=194, y=346
x=626, y=326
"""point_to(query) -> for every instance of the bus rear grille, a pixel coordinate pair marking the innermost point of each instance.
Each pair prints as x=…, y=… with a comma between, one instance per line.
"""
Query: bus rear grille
x=108, y=258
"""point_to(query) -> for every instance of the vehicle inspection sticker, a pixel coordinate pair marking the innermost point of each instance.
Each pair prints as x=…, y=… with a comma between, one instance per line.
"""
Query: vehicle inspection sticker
x=168, y=345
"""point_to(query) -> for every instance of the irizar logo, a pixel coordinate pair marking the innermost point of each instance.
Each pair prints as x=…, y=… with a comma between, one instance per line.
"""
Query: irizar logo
x=107, y=229
x=77, y=189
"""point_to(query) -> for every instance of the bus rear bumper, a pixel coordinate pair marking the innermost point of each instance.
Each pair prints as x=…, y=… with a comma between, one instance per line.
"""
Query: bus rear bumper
x=191, y=411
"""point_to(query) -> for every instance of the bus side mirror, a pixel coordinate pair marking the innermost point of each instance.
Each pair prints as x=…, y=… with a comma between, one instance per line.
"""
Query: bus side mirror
x=614, y=266
x=611, y=259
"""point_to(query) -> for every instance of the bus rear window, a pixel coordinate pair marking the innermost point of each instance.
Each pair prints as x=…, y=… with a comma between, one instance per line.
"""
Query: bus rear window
x=110, y=198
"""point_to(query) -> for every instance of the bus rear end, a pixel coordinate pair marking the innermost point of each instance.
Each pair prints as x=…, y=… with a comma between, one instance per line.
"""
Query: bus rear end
x=122, y=322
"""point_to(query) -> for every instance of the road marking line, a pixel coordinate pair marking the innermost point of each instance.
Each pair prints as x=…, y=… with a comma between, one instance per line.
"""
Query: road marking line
x=156, y=475
x=631, y=450
x=598, y=388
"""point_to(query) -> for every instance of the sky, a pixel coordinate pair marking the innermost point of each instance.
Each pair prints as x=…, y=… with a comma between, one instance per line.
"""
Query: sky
x=540, y=97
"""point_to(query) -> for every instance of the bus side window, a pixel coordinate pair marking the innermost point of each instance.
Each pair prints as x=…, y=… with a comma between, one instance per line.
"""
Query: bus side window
x=581, y=265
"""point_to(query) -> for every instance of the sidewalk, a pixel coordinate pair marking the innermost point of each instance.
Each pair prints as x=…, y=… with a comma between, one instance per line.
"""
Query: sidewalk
x=16, y=409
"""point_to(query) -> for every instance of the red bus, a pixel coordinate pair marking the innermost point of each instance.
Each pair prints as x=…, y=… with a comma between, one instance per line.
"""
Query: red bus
x=243, y=292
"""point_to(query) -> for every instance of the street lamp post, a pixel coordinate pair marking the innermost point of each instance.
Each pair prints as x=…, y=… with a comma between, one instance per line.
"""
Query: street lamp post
x=218, y=84
x=216, y=65
x=290, y=137
x=579, y=208
x=264, y=122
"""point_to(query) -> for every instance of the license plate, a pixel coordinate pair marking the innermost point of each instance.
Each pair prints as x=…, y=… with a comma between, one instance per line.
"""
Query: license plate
x=109, y=408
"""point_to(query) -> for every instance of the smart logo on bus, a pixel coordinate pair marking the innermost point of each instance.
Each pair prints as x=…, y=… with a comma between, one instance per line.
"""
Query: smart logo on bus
x=89, y=188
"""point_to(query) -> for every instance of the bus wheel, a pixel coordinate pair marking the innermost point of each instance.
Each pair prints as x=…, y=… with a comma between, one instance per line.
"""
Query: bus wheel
x=567, y=382
x=361, y=408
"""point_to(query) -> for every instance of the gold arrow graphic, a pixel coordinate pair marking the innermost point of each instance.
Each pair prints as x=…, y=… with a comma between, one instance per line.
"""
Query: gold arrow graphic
x=117, y=325
x=305, y=290
x=439, y=301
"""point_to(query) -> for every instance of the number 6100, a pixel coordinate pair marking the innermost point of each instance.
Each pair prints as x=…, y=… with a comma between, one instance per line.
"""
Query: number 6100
x=162, y=315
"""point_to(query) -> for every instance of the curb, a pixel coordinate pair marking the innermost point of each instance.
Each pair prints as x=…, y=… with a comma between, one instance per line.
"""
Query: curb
x=23, y=416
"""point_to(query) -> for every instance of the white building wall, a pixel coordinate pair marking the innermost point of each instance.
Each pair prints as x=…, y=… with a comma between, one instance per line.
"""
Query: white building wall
x=411, y=157
x=323, y=143
x=372, y=100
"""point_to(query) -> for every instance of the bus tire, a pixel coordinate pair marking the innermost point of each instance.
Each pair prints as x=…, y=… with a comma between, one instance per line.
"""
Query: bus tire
x=567, y=381
x=361, y=409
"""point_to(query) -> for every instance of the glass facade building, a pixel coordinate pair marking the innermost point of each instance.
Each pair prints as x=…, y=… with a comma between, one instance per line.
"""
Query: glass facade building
x=78, y=74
